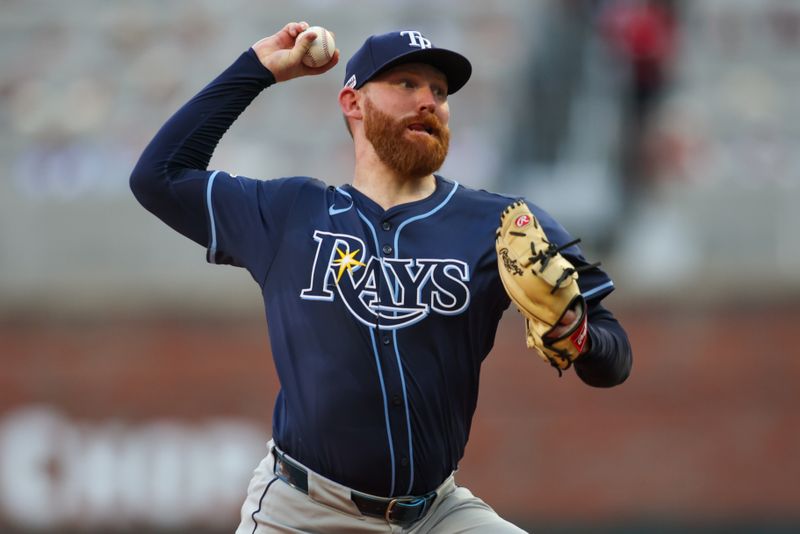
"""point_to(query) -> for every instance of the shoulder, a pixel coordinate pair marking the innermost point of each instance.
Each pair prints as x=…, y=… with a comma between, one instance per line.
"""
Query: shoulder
x=297, y=182
x=289, y=185
x=269, y=192
x=305, y=183
x=494, y=200
x=481, y=197
x=490, y=205
x=489, y=202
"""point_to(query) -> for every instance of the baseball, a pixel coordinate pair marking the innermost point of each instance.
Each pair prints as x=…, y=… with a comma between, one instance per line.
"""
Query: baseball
x=322, y=48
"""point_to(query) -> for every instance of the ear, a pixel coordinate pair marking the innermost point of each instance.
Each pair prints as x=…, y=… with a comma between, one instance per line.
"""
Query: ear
x=350, y=102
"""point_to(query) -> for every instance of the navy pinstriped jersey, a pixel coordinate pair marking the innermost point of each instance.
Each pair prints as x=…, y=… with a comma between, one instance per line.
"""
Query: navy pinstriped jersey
x=378, y=319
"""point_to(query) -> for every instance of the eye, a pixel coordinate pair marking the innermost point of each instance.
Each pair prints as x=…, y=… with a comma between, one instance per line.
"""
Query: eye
x=439, y=92
x=406, y=83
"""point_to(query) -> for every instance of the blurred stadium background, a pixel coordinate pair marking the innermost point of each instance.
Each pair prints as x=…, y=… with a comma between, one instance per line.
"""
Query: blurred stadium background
x=136, y=386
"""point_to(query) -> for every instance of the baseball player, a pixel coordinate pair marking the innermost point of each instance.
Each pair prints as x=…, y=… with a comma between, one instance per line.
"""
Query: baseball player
x=382, y=297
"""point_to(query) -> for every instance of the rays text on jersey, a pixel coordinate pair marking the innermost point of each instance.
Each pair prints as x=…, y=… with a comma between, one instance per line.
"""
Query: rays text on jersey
x=412, y=287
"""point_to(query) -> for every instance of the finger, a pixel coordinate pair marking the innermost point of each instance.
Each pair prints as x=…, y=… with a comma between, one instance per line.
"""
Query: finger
x=301, y=46
x=555, y=333
x=569, y=317
x=298, y=28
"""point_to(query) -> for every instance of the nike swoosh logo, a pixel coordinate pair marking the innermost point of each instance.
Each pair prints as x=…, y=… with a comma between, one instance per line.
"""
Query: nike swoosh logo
x=337, y=211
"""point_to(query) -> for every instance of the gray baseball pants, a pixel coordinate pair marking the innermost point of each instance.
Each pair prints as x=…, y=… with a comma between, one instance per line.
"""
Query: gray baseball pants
x=273, y=506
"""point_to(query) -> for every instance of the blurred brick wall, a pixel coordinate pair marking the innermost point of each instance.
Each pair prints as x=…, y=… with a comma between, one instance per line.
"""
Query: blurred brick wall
x=138, y=369
x=705, y=430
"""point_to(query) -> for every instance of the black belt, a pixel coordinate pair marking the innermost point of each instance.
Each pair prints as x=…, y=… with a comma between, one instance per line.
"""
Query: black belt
x=399, y=510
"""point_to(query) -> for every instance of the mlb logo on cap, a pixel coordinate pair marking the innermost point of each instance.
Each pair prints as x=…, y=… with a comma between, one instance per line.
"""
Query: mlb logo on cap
x=382, y=52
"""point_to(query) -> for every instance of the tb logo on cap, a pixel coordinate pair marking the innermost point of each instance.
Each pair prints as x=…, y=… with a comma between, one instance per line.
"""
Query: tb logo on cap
x=416, y=39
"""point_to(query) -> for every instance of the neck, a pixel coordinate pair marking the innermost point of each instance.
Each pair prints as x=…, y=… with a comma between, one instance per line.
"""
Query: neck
x=387, y=188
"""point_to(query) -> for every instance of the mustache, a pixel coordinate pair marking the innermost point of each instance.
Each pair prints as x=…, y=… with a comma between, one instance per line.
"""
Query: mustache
x=429, y=121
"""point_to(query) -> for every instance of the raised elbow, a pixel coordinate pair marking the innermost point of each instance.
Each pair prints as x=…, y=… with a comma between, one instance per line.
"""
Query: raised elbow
x=145, y=183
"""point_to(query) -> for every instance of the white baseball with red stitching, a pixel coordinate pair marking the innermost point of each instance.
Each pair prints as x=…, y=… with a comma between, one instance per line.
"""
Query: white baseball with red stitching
x=322, y=48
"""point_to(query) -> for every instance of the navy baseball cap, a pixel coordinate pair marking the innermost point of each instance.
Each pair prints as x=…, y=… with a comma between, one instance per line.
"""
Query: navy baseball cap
x=382, y=52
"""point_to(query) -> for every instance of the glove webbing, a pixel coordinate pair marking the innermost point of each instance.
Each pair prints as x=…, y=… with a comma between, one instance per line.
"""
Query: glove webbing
x=543, y=256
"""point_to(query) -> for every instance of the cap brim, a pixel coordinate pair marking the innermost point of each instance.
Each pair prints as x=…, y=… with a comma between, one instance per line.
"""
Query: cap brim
x=453, y=65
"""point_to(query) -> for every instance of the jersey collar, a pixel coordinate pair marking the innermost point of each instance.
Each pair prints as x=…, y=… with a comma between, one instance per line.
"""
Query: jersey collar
x=366, y=204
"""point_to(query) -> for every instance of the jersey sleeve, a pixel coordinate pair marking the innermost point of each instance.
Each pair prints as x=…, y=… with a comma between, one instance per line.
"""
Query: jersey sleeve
x=246, y=219
x=594, y=283
x=172, y=180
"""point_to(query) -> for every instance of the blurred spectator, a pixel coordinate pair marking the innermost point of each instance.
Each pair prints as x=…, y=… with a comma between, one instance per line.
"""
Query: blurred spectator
x=552, y=78
x=642, y=35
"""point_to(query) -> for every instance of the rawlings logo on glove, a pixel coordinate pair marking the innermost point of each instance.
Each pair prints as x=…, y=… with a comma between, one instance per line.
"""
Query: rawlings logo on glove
x=543, y=285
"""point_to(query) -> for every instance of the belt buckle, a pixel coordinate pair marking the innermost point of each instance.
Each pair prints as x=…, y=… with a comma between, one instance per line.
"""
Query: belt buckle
x=420, y=502
x=388, y=515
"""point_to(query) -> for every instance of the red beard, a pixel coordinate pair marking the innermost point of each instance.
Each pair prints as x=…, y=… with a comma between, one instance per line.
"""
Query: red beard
x=412, y=157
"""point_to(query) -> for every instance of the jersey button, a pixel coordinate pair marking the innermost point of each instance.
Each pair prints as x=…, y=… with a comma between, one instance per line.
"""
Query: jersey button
x=387, y=249
x=396, y=400
x=404, y=461
x=386, y=225
x=387, y=340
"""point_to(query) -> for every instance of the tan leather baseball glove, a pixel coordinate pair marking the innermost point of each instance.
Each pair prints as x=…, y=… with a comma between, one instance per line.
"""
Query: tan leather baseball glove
x=542, y=284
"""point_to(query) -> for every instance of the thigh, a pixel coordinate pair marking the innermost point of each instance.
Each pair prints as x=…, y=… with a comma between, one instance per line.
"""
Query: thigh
x=261, y=485
x=462, y=512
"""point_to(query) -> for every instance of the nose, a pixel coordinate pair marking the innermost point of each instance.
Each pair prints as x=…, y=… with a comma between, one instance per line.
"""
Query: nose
x=426, y=99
